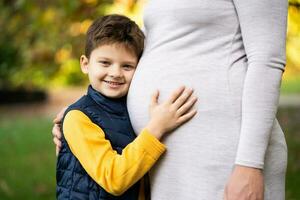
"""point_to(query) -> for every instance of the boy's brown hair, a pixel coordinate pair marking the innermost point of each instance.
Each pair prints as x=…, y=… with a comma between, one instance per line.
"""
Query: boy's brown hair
x=112, y=29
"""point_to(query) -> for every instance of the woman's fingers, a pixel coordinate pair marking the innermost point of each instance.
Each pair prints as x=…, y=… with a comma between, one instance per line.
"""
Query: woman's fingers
x=57, y=149
x=187, y=106
x=57, y=142
x=174, y=96
x=56, y=131
x=59, y=116
x=58, y=145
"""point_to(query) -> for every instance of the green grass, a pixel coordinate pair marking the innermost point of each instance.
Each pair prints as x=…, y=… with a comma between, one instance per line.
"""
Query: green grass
x=291, y=86
x=289, y=119
x=27, y=157
x=27, y=166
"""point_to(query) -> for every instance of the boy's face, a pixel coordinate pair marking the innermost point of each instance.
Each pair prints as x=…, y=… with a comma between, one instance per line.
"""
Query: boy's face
x=110, y=69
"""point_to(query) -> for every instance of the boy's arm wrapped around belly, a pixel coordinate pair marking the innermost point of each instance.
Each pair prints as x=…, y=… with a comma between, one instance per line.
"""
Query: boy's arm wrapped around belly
x=112, y=171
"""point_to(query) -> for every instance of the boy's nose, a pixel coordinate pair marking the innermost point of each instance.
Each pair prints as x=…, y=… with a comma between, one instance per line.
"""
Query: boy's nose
x=115, y=71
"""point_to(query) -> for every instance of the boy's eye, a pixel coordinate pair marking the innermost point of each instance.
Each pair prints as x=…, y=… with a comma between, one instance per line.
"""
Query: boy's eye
x=103, y=62
x=128, y=67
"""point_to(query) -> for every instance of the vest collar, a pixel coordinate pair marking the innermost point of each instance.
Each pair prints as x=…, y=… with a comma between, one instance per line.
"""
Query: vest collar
x=111, y=105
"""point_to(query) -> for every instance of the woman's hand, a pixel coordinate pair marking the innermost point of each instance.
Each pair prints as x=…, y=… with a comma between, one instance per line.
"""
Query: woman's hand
x=245, y=183
x=172, y=113
x=56, y=131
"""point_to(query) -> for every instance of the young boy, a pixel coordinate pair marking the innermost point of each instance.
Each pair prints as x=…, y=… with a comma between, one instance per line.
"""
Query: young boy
x=100, y=156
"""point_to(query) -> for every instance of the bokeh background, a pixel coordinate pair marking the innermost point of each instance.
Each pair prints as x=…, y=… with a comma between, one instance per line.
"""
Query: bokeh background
x=40, y=43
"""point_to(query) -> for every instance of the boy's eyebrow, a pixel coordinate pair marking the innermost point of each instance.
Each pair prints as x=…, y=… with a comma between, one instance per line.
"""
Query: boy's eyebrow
x=126, y=62
x=104, y=58
x=131, y=63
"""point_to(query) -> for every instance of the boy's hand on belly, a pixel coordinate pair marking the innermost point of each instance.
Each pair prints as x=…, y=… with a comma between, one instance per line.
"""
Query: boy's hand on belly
x=245, y=183
x=173, y=112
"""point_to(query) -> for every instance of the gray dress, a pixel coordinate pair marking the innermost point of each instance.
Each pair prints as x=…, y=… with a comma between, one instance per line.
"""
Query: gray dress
x=232, y=52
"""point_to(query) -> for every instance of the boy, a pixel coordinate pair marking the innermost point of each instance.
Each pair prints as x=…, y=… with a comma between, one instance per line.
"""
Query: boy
x=100, y=157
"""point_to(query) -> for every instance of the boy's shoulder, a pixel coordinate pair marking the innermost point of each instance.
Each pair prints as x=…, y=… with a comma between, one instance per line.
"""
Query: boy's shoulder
x=84, y=104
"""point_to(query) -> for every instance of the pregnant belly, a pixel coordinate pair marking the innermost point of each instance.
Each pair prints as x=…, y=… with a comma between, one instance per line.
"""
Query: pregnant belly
x=216, y=110
x=210, y=84
x=206, y=144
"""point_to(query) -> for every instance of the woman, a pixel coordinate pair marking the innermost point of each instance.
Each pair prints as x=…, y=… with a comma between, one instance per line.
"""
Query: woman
x=232, y=52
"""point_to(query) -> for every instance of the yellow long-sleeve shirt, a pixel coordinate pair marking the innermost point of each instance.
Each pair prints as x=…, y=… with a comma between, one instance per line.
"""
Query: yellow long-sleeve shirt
x=113, y=172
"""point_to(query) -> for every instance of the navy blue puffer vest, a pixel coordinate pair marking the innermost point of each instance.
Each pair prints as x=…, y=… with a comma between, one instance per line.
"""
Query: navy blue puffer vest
x=111, y=115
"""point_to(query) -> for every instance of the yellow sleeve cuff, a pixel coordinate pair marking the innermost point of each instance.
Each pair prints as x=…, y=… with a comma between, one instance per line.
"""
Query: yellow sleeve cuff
x=150, y=144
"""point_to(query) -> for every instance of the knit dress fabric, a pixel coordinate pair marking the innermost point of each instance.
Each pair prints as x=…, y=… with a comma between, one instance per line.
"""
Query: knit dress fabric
x=232, y=53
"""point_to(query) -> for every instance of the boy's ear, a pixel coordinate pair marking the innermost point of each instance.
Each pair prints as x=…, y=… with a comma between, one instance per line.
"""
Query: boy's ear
x=84, y=62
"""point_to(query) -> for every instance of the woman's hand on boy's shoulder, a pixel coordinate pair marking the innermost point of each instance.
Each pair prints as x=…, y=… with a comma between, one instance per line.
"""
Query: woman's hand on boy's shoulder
x=56, y=130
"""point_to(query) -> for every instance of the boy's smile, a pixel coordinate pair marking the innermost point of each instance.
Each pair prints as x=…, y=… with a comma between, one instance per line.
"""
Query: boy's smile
x=110, y=69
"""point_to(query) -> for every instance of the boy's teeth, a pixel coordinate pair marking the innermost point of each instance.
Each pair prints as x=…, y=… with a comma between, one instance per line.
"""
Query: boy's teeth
x=114, y=83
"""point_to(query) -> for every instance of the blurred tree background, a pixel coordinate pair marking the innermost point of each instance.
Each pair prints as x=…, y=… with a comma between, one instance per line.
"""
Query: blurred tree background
x=293, y=39
x=40, y=45
x=41, y=41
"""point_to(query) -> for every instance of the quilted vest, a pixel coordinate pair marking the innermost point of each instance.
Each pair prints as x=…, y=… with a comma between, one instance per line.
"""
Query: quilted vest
x=111, y=115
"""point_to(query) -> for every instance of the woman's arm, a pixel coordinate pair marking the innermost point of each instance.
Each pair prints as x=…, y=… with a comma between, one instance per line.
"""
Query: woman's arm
x=263, y=27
